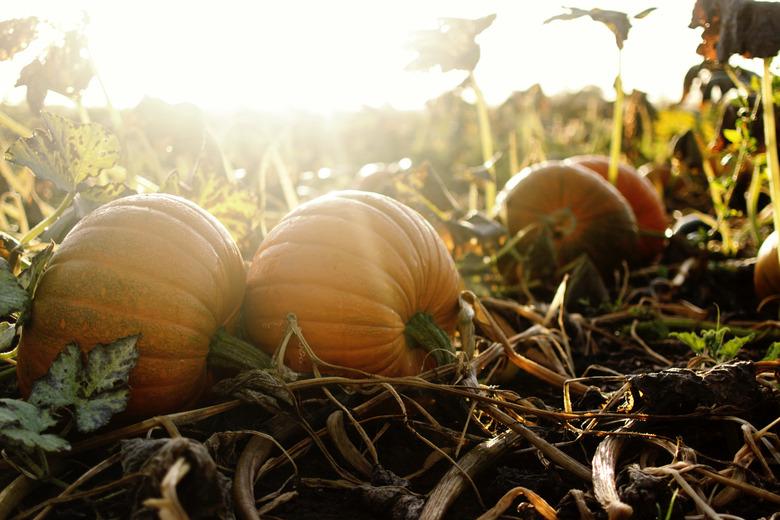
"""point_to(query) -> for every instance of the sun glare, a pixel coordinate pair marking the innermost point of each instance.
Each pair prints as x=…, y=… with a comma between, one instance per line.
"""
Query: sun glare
x=343, y=55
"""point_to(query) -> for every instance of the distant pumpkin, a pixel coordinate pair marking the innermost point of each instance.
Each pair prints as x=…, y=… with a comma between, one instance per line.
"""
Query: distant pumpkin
x=584, y=213
x=156, y=265
x=643, y=198
x=372, y=285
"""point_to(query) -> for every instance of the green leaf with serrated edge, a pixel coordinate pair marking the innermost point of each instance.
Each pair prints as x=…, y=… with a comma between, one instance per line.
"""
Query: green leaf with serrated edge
x=60, y=386
x=692, y=340
x=773, y=352
x=22, y=424
x=96, y=390
x=13, y=297
x=108, y=366
x=65, y=152
x=730, y=348
x=32, y=275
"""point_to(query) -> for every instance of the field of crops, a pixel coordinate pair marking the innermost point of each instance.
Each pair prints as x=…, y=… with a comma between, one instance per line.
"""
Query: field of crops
x=565, y=305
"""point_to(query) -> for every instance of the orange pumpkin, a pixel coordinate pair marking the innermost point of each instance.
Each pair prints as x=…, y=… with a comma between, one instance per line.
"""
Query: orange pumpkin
x=157, y=265
x=367, y=278
x=641, y=195
x=766, y=277
x=584, y=213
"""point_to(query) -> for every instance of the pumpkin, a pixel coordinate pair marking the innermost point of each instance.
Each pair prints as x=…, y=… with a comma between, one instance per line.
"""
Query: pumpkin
x=156, y=265
x=584, y=213
x=766, y=277
x=370, y=282
x=643, y=198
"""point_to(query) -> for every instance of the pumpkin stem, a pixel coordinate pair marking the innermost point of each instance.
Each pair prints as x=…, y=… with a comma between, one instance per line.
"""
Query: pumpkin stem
x=231, y=353
x=422, y=332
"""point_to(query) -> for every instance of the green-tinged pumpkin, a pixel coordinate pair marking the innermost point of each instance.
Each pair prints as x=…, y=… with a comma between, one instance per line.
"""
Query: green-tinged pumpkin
x=155, y=265
x=766, y=277
x=584, y=213
x=367, y=278
x=643, y=198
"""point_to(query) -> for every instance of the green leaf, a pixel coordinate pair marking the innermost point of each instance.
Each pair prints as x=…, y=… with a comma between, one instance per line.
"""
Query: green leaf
x=65, y=152
x=692, y=340
x=22, y=425
x=13, y=297
x=773, y=352
x=730, y=349
x=7, y=335
x=96, y=389
x=732, y=135
x=59, y=387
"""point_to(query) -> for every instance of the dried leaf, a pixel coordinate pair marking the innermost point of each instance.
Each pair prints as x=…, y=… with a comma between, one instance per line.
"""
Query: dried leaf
x=615, y=21
x=451, y=46
x=681, y=390
x=644, y=13
x=168, y=506
x=203, y=493
x=65, y=69
x=259, y=387
x=16, y=35
x=96, y=390
x=65, y=152
x=744, y=27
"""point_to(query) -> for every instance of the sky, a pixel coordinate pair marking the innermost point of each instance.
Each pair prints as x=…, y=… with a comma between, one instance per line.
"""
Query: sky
x=336, y=55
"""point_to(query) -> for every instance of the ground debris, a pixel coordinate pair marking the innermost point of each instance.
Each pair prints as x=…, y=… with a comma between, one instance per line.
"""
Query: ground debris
x=683, y=390
x=204, y=492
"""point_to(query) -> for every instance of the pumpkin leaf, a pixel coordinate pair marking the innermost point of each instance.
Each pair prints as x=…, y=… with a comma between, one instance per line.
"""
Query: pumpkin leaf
x=66, y=69
x=16, y=35
x=65, y=152
x=615, y=21
x=13, y=297
x=744, y=27
x=451, y=46
x=7, y=335
x=22, y=425
x=96, y=389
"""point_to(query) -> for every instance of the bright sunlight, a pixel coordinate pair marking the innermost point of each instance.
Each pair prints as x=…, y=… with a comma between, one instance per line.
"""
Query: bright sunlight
x=345, y=54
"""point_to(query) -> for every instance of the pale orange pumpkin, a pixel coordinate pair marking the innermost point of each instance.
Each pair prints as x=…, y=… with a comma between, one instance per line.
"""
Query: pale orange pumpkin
x=367, y=278
x=766, y=277
x=155, y=265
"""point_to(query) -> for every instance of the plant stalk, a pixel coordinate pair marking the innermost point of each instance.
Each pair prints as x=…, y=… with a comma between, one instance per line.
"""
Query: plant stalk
x=14, y=126
x=39, y=228
x=770, y=138
x=617, y=125
x=486, y=139
x=229, y=352
x=422, y=332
